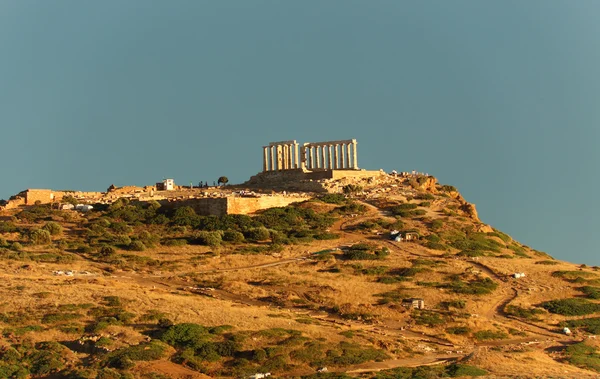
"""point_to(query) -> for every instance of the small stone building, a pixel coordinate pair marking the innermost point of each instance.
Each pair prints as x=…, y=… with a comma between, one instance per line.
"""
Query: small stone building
x=165, y=185
x=414, y=303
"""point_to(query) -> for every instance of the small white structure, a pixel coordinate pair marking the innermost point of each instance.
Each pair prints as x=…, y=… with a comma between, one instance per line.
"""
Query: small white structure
x=84, y=207
x=259, y=375
x=414, y=303
x=166, y=185
x=322, y=369
x=518, y=275
x=566, y=331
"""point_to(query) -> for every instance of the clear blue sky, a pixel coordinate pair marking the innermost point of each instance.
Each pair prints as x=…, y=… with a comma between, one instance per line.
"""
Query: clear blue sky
x=497, y=98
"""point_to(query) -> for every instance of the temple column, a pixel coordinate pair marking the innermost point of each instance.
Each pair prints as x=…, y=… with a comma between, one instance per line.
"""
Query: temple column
x=329, y=157
x=354, y=156
x=343, y=155
x=323, y=163
x=297, y=163
x=312, y=157
x=286, y=157
x=335, y=157
x=272, y=158
x=290, y=156
x=348, y=153
x=317, y=157
x=303, y=158
x=265, y=159
x=279, y=157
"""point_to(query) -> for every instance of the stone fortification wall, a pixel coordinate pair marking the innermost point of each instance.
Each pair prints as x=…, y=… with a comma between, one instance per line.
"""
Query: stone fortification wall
x=204, y=207
x=247, y=205
x=221, y=206
x=305, y=181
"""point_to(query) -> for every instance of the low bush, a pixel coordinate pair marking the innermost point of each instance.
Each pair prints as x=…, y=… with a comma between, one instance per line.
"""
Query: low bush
x=175, y=242
x=458, y=330
x=362, y=251
x=428, y=318
x=584, y=356
x=54, y=228
x=186, y=335
x=39, y=236
x=590, y=325
x=137, y=246
x=333, y=198
x=124, y=358
x=526, y=313
x=591, y=292
x=233, y=236
x=484, y=335
x=571, y=307
x=212, y=238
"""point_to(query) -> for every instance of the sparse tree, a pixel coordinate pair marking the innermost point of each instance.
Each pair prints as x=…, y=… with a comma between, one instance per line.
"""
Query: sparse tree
x=222, y=180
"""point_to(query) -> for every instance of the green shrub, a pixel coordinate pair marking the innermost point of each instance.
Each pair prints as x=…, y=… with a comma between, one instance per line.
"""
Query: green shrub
x=107, y=251
x=7, y=227
x=176, y=242
x=137, y=246
x=571, y=307
x=484, y=335
x=333, y=198
x=428, y=318
x=448, y=188
x=233, y=236
x=212, y=239
x=39, y=236
x=526, y=313
x=572, y=275
x=460, y=370
x=3, y=242
x=53, y=318
x=458, y=330
x=591, y=292
x=187, y=335
x=584, y=356
x=363, y=251
x=123, y=358
x=53, y=228
x=257, y=234
x=590, y=325
x=352, y=188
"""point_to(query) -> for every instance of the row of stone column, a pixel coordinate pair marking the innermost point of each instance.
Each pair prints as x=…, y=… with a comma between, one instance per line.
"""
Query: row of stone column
x=331, y=156
x=281, y=156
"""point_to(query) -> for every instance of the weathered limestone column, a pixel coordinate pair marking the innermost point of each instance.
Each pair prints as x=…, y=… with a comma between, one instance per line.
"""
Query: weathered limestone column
x=348, y=153
x=312, y=157
x=272, y=158
x=286, y=157
x=265, y=159
x=279, y=149
x=354, y=156
x=343, y=155
x=297, y=164
x=303, y=157
x=323, y=162
x=318, y=156
x=290, y=156
x=329, y=157
x=336, y=159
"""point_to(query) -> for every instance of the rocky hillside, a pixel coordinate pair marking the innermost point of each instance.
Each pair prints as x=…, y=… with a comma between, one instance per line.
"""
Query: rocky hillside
x=386, y=277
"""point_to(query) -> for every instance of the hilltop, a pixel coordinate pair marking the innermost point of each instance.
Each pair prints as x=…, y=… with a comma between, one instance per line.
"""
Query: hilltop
x=376, y=276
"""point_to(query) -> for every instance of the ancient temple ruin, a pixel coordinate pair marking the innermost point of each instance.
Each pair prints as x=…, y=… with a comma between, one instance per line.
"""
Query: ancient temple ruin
x=311, y=156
